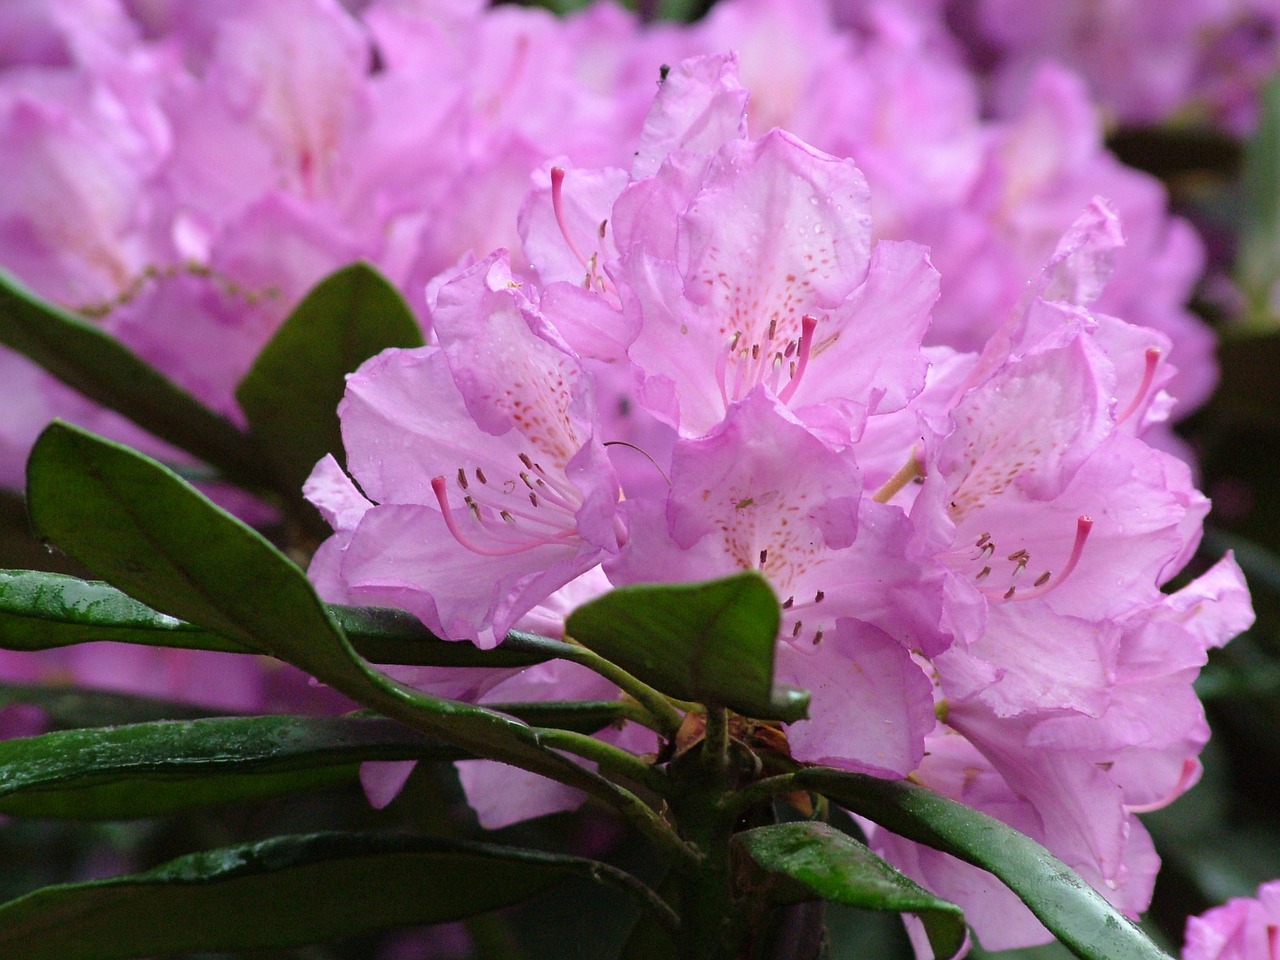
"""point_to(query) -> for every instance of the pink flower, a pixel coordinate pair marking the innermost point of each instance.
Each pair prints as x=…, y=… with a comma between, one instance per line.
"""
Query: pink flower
x=488, y=488
x=1244, y=928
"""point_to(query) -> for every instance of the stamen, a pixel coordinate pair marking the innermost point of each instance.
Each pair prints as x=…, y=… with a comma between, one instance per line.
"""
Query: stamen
x=462, y=478
x=808, y=324
x=1043, y=583
x=906, y=473
x=440, y=488
x=1190, y=768
x=480, y=475
x=817, y=637
x=788, y=603
x=819, y=597
x=764, y=557
x=795, y=631
x=1148, y=377
x=557, y=204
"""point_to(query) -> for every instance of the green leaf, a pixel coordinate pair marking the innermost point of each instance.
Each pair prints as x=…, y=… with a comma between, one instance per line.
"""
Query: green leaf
x=68, y=706
x=793, y=862
x=41, y=611
x=1258, y=261
x=648, y=939
x=151, y=769
x=284, y=892
x=1072, y=910
x=711, y=642
x=138, y=525
x=91, y=361
x=290, y=396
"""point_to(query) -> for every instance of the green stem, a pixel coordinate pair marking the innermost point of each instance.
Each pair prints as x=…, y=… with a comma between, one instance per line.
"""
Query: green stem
x=667, y=718
x=715, y=744
x=401, y=702
x=739, y=802
x=611, y=759
x=647, y=896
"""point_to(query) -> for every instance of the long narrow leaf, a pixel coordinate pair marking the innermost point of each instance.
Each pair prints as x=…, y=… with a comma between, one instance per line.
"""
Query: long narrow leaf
x=142, y=528
x=284, y=892
x=150, y=769
x=1074, y=912
x=93, y=362
x=794, y=862
x=41, y=611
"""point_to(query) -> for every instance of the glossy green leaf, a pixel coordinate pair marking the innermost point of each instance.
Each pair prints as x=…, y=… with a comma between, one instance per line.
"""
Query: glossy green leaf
x=1075, y=913
x=138, y=525
x=290, y=396
x=41, y=611
x=71, y=706
x=91, y=361
x=279, y=893
x=711, y=642
x=1258, y=261
x=793, y=862
x=150, y=769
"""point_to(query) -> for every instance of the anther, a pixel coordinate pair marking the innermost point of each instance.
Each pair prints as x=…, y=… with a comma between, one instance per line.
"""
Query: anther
x=764, y=557
x=526, y=460
x=819, y=597
x=788, y=603
x=795, y=631
x=533, y=498
x=773, y=328
x=983, y=573
x=1042, y=579
x=817, y=637
x=480, y=475
x=462, y=478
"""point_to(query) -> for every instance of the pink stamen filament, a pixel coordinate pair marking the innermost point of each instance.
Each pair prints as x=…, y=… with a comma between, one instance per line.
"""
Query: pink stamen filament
x=1273, y=941
x=807, y=326
x=557, y=204
x=439, y=486
x=1148, y=377
x=1083, y=527
x=1190, y=767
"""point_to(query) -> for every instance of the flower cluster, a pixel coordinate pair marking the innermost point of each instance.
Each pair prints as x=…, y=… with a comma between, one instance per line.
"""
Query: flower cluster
x=184, y=180
x=1144, y=61
x=814, y=354
x=714, y=361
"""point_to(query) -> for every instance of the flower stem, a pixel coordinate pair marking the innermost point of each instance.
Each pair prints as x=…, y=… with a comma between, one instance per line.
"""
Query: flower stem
x=715, y=749
x=666, y=717
x=611, y=759
x=738, y=802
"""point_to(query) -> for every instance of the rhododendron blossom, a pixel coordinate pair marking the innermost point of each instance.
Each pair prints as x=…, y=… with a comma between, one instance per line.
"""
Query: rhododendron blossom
x=996, y=616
